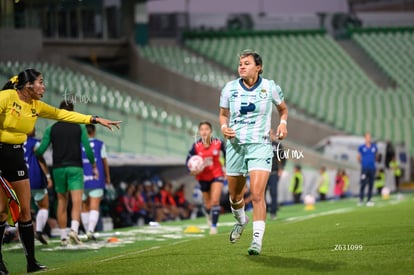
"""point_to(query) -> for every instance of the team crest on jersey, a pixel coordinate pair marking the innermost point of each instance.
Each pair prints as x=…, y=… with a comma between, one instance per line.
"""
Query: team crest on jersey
x=215, y=152
x=263, y=94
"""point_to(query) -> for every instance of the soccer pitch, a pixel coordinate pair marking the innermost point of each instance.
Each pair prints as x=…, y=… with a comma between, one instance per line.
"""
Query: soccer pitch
x=336, y=238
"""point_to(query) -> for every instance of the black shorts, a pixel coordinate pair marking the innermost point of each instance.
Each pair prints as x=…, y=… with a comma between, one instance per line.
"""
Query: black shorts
x=12, y=164
x=205, y=185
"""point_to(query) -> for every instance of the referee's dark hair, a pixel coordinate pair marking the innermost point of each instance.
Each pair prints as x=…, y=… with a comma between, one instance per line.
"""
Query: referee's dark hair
x=18, y=82
x=256, y=57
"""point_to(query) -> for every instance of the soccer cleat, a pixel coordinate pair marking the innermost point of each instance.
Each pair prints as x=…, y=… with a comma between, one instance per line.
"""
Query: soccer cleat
x=3, y=269
x=73, y=237
x=370, y=203
x=360, y=204
x=35, y=266
x=41, y=238
x=91, y=236
x=64, y=242
x=237, y=231
x=213, y=231
x=254, y=249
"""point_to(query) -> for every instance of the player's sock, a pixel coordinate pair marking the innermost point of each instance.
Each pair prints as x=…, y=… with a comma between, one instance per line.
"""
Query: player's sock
x=26, y=233
x=258, y=231
x=85, y=220
x=41, y=219
x=93, y=220
x=215, y=212
x=2, y=229
x=63, y=234
x=239, y=214
x=74, y=226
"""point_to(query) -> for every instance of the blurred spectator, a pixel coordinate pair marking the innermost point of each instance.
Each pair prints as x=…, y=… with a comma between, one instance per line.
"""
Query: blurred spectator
x=389, y=153
x=380, y=180
x=141, y=208
x=184, y=207
x=168, y=205
x=296, y=184
x=346, y=184
x=125, y=207
x=396, y=171
x=323, y=184
x=339, y=184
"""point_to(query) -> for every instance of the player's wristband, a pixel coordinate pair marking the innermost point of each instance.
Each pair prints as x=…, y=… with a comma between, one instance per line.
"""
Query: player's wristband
x=283, y=121
x=48, y=176
x=223, y=126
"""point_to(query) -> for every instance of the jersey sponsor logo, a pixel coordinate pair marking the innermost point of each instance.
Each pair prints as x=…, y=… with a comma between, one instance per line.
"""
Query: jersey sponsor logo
x=247, y=107
x=244, y=122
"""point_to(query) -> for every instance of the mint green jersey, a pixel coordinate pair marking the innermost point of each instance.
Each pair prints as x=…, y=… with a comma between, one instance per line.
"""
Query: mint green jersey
x=251, y=109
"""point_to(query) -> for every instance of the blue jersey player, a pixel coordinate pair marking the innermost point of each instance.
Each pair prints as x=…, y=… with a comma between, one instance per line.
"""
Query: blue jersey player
x=245, y=117
x=94, y=186
x=40, y=180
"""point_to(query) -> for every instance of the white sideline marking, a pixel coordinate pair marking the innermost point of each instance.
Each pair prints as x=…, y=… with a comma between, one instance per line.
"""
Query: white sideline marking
x=131, y=253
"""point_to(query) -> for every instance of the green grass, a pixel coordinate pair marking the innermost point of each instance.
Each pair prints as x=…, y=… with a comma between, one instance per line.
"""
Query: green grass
x=298, y=242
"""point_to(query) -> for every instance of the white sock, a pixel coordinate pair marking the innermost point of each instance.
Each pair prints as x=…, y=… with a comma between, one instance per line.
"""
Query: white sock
x=74, y=225
x=85, y=220
x=258, y=231
x=41, y=219
x=239, y=215
x=93, y=220
x=63, y=233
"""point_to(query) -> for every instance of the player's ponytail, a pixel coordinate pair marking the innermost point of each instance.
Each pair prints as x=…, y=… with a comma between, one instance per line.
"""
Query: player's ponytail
x=17, y=82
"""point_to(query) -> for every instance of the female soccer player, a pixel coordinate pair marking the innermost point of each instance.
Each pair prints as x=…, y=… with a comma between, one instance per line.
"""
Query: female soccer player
x=211, y=176
x=245, y=116
x=20, y=106
x=40, y=180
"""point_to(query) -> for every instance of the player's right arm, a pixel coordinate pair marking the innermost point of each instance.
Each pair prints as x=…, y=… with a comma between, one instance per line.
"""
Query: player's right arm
x=224, y=115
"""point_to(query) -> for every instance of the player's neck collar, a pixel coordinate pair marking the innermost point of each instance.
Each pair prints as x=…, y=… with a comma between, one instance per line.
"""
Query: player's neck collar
x=259, y=80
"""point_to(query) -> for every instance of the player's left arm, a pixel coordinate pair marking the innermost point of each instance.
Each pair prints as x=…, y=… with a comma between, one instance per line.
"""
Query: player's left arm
x=104, y=156
x=278, y=100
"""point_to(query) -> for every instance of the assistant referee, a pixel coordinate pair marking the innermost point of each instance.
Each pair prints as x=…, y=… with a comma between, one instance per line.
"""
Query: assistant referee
x=20, y=106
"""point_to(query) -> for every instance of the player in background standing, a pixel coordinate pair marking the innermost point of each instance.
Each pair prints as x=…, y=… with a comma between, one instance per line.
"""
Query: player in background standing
x=40, y=181
x=94, y=187
x=278, y=164
x=211, y=177
x=367, y=157
x=67, y=170
x=245, y=119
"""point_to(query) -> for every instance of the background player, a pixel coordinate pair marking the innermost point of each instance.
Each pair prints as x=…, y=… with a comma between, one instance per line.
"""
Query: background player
x=67, y=170
x=245, y=118
x=94, y=187
x=40, y=181
x=211, y=177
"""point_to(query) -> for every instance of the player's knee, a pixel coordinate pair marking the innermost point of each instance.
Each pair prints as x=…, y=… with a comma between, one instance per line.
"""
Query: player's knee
x=257, y=197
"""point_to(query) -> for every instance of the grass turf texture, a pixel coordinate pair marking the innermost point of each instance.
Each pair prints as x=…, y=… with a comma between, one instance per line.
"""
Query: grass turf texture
x=336, y=237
